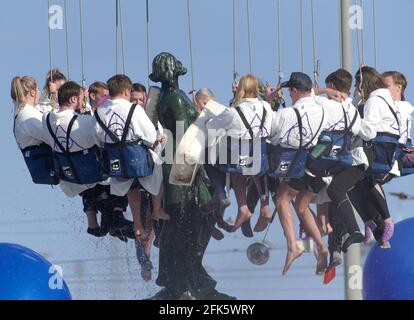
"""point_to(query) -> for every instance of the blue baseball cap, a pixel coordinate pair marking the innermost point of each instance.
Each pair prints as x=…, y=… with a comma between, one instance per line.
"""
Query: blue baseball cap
x=298, y=80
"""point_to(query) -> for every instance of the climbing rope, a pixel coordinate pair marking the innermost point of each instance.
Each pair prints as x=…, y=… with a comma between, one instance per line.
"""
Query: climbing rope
x=249, y=39
x=148, y=43
x=234, y=42
x=83, y=80
x=374, y=22
x=51, y=97
x=279, y=46
x=316, y=62
x=190, y=48
x=122, y=37
x=67, y=40
x=116, y=34
x=360, y=46
x=302, y=54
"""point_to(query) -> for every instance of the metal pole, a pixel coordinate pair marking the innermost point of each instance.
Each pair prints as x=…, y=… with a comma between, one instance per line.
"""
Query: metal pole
x=353, y=257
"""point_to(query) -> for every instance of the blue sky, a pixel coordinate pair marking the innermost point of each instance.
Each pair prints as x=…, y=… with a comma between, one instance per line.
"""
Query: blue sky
x=45, y=220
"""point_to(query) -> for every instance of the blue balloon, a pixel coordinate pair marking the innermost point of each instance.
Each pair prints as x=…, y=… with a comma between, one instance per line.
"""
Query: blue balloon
x=389, y=273
x=26, y=275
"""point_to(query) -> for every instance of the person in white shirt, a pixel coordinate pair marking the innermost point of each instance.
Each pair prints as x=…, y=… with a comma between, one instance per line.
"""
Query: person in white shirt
x=286, y=133
x=98, y=95
x=49, y=101
x=258, y=116
x=81, y=138
x=113, y=116
x=28, y=128
x=396, y=83
x=380, y=116
x=341, y=214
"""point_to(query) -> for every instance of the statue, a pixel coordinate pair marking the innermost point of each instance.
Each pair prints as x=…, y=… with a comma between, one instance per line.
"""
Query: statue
x=184, y=238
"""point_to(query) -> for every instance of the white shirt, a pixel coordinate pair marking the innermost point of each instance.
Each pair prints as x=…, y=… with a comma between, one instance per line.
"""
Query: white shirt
x=28, y=127
x=285, y=126
x=252, y=109
x=406, y=110
x=335, y=121
x=378, y=116
x=114, y=114
x=81, y=138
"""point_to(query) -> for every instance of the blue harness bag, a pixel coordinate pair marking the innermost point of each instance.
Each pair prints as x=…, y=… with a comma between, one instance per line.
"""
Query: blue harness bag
x=289, y=162
x=40, y=161
x=126, y=159
x=382, y=152
x=336, y=155
x=81, y=167
x=245, y=164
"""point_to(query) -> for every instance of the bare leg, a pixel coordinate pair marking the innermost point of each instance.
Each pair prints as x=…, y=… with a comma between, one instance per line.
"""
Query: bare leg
x=303, y=200
x=239, y=184
x=92, y=220
x=134, y=199
x=284, y=198
x=265, y=214
x=158, y=212
x=323, y=219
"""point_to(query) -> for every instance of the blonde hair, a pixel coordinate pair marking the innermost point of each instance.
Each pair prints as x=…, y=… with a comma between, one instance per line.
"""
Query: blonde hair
x=20, y=88
x=248, y=86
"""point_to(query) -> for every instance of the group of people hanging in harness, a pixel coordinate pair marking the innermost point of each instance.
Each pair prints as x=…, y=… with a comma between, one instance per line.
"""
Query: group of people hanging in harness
x=334, y=151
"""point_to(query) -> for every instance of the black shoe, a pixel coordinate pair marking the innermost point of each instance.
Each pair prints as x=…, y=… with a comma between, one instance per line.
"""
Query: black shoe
x=96, y=232
x=355, y=237
x=246, y=229
x=106, y=223
x=121, y=227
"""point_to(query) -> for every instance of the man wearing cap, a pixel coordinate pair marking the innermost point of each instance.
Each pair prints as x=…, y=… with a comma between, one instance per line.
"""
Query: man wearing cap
x=286, y=133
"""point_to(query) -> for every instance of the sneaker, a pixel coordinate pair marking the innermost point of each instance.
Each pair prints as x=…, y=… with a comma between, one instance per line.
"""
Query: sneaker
x=388, y=230
x=335, y=259
x=369, y=232
x=355, y=237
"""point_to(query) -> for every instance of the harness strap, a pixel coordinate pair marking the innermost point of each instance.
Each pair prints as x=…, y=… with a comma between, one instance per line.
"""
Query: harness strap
x=393, y=113
x=66, y=151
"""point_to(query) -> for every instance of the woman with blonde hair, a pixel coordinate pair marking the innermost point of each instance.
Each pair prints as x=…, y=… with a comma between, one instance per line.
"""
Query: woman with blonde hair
x=247, y=125
x=28, y=130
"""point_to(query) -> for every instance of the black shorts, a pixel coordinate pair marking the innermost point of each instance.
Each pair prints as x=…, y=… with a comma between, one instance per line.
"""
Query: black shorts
x=100, y=197
x=307, y=183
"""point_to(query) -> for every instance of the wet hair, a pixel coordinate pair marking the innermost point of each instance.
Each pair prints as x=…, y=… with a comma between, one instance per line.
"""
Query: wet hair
x=118, y=84
x=138, y=87
x=248, y=86
x=20, y=88
x=206, y=92
x=341, y=79
x=67, y=91
x=371, y=80
x=166, y=68
x=97, y=86
x=399, y=79
x=52, y=76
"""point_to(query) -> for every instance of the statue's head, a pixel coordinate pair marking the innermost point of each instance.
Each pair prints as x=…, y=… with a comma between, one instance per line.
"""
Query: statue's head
x=166, y=68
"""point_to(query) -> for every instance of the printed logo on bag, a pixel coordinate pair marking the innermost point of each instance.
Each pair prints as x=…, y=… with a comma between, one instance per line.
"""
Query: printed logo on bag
x=284, y=166
x=336, y=150
x=67, y=172
x=115, y=166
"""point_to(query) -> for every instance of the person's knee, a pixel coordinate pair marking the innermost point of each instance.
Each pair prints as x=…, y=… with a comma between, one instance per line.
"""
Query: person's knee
x=336, y=193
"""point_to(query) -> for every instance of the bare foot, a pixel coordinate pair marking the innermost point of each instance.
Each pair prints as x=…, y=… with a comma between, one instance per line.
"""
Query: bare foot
x=161, y=215
x=324, y=227
x=243, y=215
x=264, y=219
x=141, y=235
x=322, y=261
x=291, y=256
